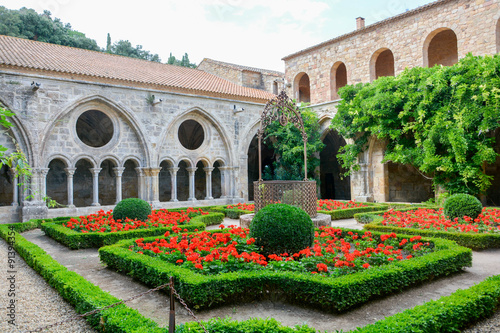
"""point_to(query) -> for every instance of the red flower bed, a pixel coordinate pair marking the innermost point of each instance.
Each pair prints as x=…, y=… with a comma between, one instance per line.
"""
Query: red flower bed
x=328, y=204
x=233, y=250
x=104, y=222
x=242, y=206
x=487, y=222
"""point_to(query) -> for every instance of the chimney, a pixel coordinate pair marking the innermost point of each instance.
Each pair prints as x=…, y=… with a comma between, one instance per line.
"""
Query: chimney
x=360, y=23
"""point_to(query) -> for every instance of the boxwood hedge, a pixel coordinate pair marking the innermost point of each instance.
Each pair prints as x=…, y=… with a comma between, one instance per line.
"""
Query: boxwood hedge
x=77, y=240
x=335, y=294
x=348, y=213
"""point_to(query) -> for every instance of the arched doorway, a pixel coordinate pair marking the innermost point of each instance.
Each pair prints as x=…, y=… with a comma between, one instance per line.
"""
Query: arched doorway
x=441, y=48
x=216, y=181
x=107, y=183
x=333, y=185
x=6, y=186
x=165, y=182
x=382, y=64
x=338, y=79
x=130, y=181
x=57, y=182
x=302, y=88
x=83, y=184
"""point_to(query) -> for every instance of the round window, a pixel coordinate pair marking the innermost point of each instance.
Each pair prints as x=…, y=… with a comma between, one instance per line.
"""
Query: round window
x=191, y=134
x=94, y=128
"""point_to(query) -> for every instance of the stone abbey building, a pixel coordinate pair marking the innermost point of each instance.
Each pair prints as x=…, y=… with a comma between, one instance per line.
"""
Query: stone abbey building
x=97, y=128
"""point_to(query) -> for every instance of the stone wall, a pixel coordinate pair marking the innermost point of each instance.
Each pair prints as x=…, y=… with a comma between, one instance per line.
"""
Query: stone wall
x=473, y=21
x=144, y=136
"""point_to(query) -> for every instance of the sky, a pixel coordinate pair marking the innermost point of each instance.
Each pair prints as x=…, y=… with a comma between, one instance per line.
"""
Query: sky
x=255, y=33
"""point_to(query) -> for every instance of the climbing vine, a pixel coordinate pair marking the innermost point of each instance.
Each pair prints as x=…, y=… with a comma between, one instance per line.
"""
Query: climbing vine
x=441, y=120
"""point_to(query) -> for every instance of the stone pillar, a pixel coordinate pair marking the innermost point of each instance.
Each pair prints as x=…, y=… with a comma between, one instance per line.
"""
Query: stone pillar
x=69, y=173
x=155, y=186
x=191, y=171
x=173, y=178
x=34, y=208
x=118, y=173
x=380, y=173
x=15, y=189
x=43, y=175
x=224, y=180
x=95, y=186
x=140, y=182
x=208, y=177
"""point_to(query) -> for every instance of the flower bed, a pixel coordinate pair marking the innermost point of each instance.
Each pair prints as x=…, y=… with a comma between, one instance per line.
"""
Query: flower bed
x=100, y=229
x=328, y=204
x=480, y=233
x=232, y=250
x=320, y=290
x=346, y=209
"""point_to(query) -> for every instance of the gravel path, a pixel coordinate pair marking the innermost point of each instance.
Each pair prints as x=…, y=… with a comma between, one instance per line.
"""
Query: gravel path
x=37, y=303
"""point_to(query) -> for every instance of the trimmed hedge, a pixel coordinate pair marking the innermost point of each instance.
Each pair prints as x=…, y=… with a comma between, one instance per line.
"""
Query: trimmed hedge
x=472, y=241
x=132, y=208
x=232, y=213
x=77, y=240
x=460, y=205
x=83, y=295
x=340, y=214
x=334, y=294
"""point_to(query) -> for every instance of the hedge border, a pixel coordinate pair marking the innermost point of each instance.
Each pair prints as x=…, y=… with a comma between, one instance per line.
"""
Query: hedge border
x=337, y=294
x=80, y=293
x=472, y=241
x=461, y=308
x=349, y=213
x=77, y=240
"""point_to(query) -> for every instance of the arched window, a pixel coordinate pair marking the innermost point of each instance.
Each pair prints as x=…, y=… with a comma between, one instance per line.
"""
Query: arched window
x=130, y=181
x=441, y=48
x=338, y=78
x=165, y=182
x=57, y=182
x=382, y=64
x=302, y=88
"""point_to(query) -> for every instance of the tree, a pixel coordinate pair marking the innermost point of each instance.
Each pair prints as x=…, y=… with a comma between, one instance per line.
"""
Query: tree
x=15, y=160
x=288, y=146
x=440, y=120
x=125, y=48
x=108, y=43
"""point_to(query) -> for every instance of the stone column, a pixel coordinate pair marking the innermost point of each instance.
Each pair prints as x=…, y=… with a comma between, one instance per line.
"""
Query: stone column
x=69, y=173
x=173, y=178
x=191, y=171
x=224, y=179
x=140, y=182
x=147, y=184
x=15, y=190
x=155, y=186
x=208, y=177
x=43, y=175
x=95, y=186
x=118, y=173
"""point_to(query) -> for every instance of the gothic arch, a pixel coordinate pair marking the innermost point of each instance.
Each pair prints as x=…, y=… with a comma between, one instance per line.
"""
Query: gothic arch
x=381, y=64
x=338, y=78
x=21, y=135
x=441, y=48
x=302, y=88
x=117, y=112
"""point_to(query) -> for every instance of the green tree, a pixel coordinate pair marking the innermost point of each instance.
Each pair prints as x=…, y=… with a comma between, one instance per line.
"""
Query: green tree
x=288, y=146
x=440, y=120
x=108, y=43
x=15, y=160
x=125, y=48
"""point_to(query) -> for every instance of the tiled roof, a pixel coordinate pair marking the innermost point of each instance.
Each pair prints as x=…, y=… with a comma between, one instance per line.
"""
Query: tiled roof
x=244, y=68
x=17, y=53
x=369, y=28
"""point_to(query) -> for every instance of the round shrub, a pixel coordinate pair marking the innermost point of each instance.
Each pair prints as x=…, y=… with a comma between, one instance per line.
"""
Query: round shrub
x=133, y=208
x=460, y=205
x=281, y=228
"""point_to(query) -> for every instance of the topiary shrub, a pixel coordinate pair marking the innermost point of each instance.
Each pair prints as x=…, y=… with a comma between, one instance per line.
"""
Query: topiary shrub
x=280, y=228
x=460, y=205
x=133, y=208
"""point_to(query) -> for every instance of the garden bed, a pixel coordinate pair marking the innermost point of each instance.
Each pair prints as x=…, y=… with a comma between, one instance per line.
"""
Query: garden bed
x=317, y=290
x=99, y=229
x=431, y=223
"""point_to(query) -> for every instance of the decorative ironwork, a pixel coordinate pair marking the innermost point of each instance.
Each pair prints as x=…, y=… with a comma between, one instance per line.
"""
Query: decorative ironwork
x=282, y=109
x=297, y=193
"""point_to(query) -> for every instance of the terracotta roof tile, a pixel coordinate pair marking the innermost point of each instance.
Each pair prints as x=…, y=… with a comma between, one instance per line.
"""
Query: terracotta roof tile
x=244, y=68
x=96, y=66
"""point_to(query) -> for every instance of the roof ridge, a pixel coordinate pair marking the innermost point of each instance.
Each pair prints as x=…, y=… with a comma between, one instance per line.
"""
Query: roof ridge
x=369, y=27
x=256, y=69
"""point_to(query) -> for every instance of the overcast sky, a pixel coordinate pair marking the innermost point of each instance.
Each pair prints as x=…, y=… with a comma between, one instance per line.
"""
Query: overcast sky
x=256, y=33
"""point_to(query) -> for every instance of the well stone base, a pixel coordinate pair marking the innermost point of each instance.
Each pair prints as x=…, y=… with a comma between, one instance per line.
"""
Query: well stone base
x=319, y=221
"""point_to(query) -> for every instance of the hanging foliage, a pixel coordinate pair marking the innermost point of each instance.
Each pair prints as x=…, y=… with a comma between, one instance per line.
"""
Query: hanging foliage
x=441, y=120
